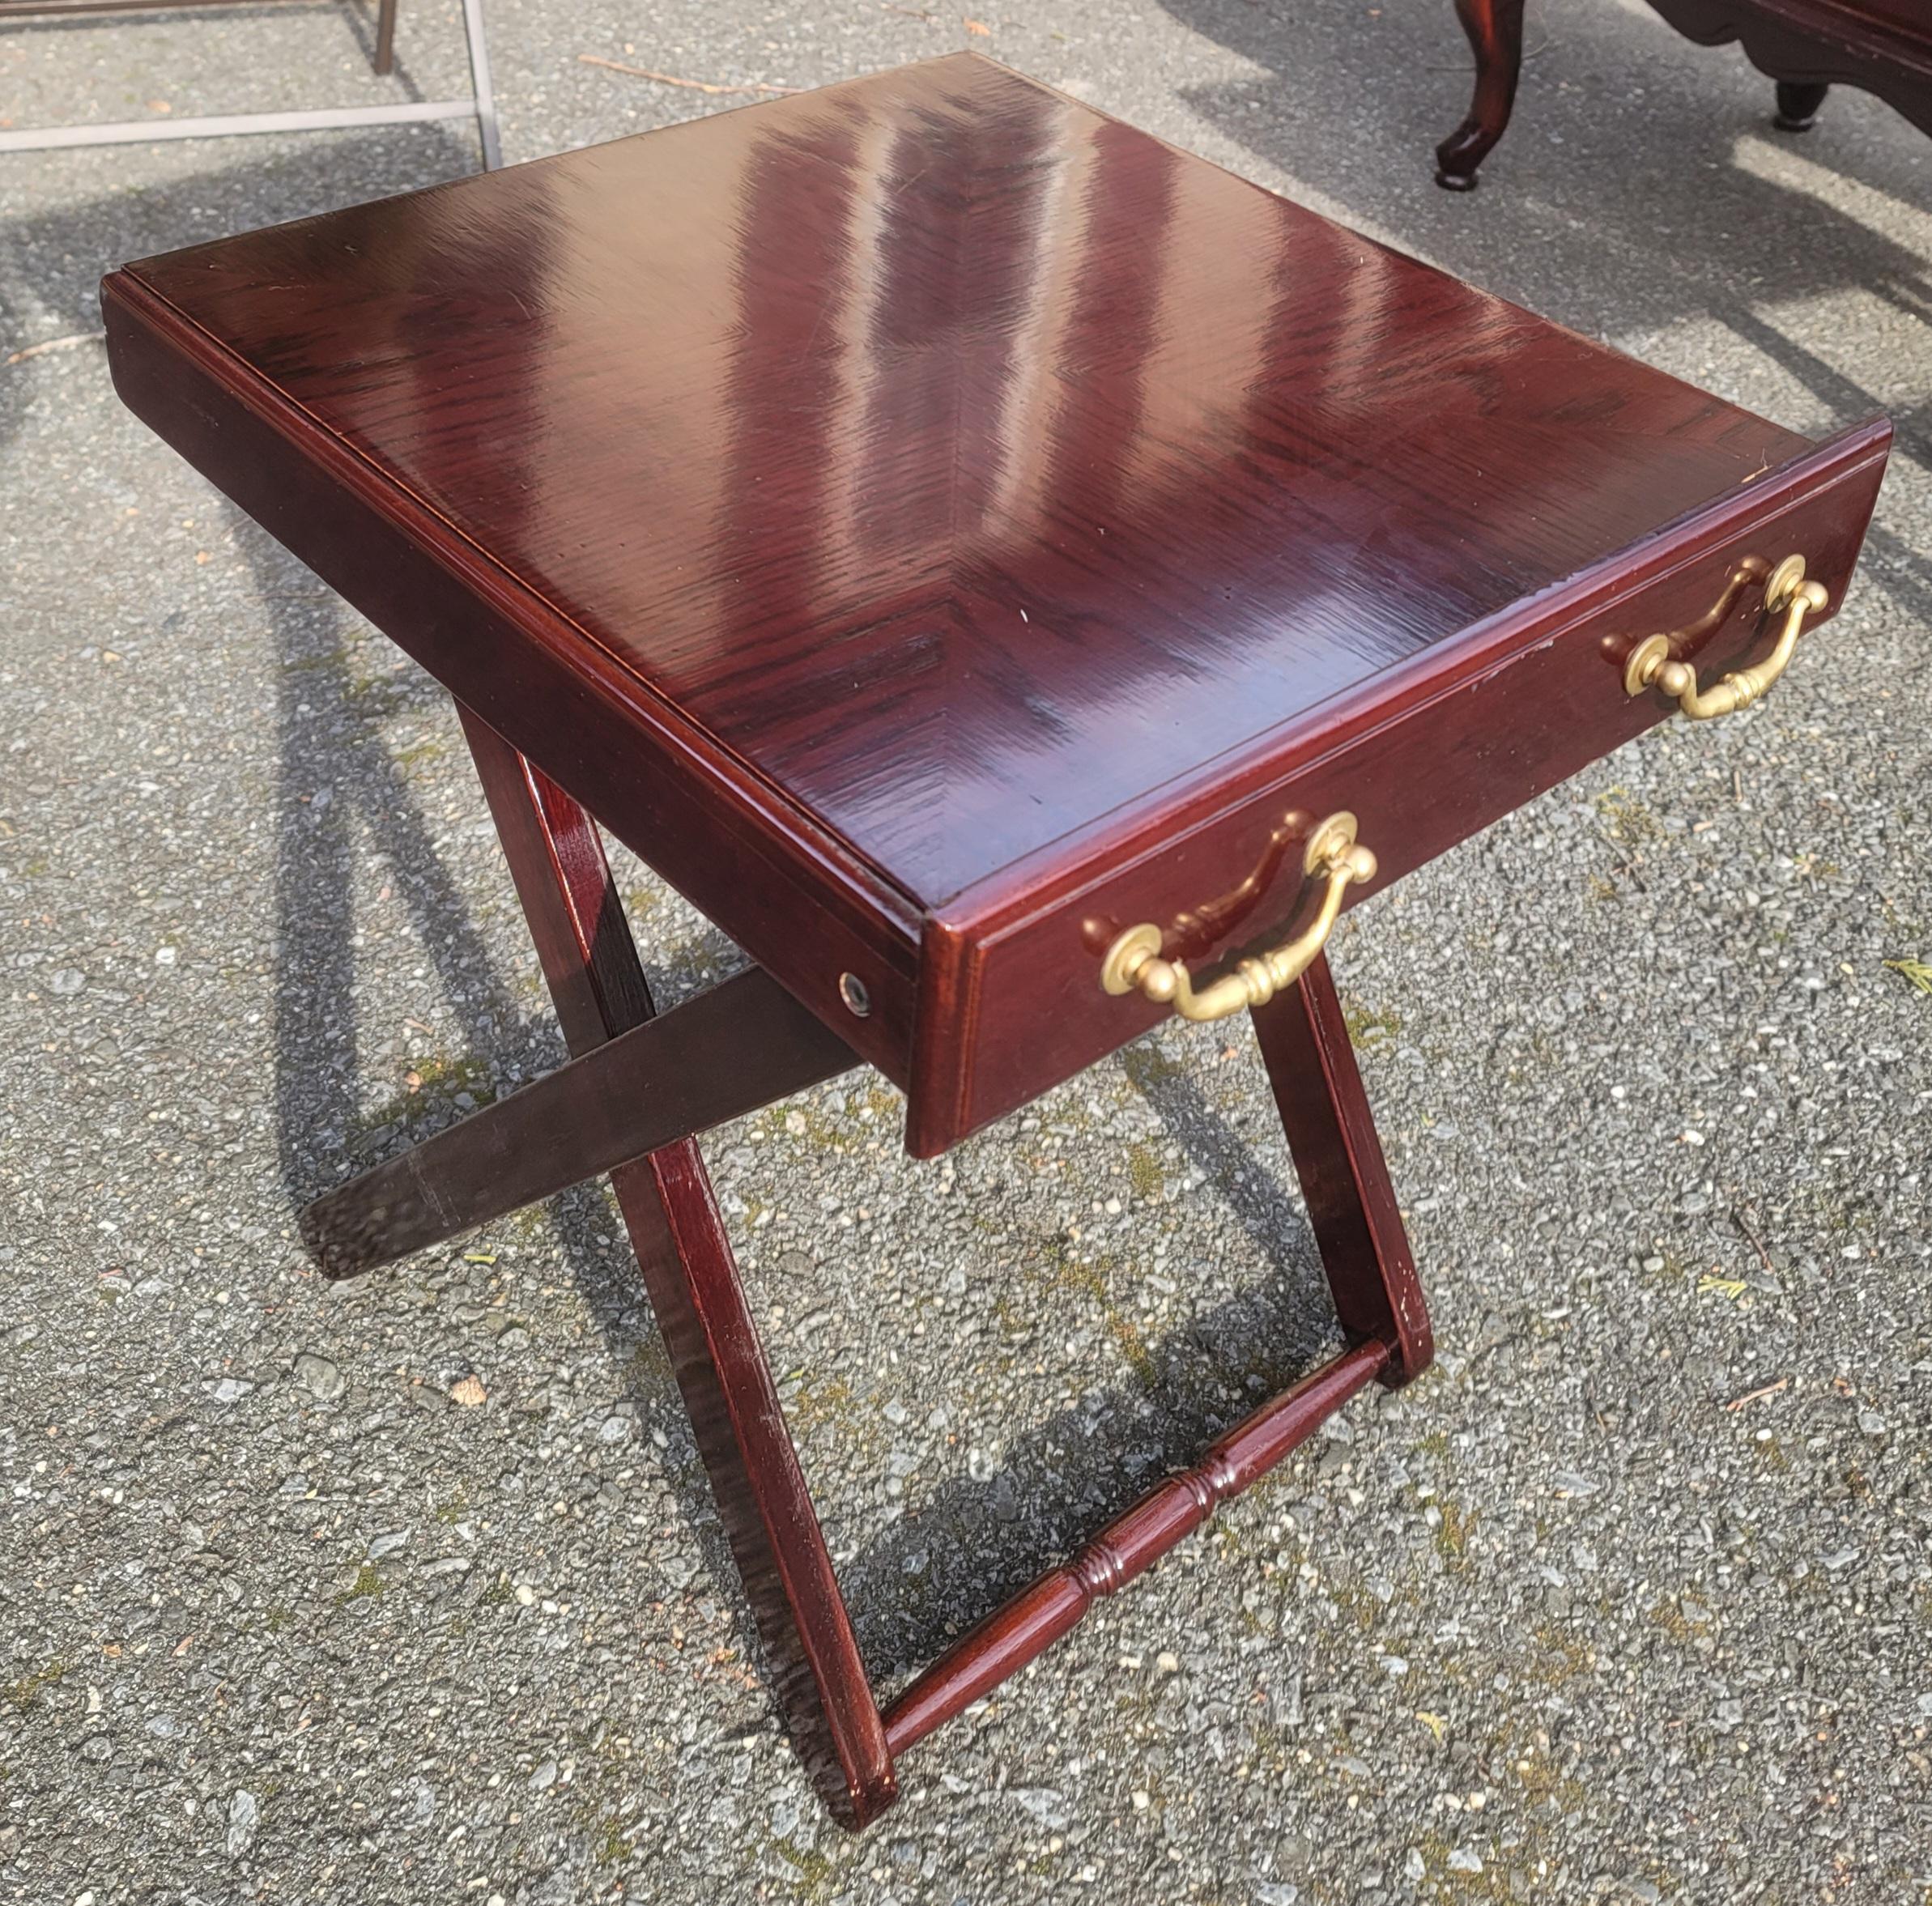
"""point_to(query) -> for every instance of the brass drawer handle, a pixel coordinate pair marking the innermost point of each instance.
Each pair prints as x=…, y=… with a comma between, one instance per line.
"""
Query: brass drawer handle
x=1133, y=964
x=1787, y=593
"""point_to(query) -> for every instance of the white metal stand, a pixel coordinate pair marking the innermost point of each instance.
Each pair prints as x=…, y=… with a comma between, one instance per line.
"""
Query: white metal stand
x=481, y=106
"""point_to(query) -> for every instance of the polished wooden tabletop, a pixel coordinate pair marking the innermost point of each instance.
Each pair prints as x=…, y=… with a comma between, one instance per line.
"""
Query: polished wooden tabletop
x=968, y=464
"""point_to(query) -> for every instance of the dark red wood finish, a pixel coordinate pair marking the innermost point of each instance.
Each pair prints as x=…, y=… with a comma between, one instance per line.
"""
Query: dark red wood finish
x=1495, y=30
x=778, y=885
x=1039, y=1615
x=727, y=1052
x=1806, y=46
x=871, y=502
x=576, y=919
x=1428, y=754
x=1337, y=1155
x=936, y=526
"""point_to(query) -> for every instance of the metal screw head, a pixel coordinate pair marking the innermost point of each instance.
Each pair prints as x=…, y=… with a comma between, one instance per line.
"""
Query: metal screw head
x=1786, y=580
x=852, y=990
x=1328, y=842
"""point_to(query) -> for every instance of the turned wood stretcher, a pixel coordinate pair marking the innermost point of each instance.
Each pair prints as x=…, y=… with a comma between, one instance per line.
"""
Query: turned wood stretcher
x=1021, y=582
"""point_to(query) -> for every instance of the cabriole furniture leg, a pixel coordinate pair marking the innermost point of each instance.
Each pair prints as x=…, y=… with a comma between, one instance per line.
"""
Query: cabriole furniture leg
x=1805, y=46
x=1496, y=35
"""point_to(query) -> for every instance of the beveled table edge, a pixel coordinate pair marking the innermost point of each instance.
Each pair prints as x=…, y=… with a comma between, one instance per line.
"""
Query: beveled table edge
x=503, y=589
x=888, y=919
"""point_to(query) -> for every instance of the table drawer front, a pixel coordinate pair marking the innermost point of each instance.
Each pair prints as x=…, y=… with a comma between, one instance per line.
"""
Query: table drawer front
x=1030, y=1007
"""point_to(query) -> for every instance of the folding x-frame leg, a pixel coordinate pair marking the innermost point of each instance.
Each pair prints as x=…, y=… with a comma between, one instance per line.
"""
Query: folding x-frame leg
x=614, y=1096
x=576, y=918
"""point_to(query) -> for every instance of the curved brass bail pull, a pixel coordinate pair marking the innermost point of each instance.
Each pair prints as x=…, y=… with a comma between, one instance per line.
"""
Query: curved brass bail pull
x=1133, y=964
x=1652, y=664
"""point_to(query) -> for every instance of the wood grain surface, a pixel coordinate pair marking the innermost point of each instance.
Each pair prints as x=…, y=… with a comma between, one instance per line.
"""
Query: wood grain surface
x=873, y=502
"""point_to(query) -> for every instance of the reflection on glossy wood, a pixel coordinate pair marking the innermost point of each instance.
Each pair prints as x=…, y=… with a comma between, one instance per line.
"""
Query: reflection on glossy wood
x=937, y=526
x=1495, y=32
x=937, y=437
x=877, y=502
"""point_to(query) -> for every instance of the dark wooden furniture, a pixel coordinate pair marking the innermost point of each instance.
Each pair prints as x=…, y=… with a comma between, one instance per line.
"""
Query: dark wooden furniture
x=1806, y=46
x=999, y=567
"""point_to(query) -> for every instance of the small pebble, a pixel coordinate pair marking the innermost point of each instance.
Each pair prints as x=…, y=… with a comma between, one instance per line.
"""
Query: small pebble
x=320, y=1376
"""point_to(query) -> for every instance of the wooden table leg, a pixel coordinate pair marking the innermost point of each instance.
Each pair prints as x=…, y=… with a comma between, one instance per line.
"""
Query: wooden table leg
x=1496, y=32
x=1337, y=1156
x=576, y=919
x=1331, y=1136
x=740, y=1046
x=1797, y=104
x=1040, y=1614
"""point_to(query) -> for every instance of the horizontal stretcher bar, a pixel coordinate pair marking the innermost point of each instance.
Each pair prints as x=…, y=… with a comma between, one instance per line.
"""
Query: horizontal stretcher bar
x=1128, y=1547
x=132, y=132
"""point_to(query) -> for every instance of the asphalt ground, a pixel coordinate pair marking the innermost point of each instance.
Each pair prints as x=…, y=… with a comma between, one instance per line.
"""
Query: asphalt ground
x=1629, y=1599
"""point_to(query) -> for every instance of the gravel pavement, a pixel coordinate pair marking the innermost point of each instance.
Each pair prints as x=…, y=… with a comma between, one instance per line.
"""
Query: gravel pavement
x=411, y=1590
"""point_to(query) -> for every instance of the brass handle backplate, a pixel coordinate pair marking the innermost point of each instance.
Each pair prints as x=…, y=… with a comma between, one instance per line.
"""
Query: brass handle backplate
x=1134, y=964
x=1653, y=662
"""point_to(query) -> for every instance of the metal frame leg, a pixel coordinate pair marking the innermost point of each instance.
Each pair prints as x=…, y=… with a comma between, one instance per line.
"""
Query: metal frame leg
x=481, y=107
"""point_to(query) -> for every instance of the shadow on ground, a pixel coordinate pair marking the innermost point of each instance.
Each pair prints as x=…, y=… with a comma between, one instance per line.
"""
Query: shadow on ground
x=346, y=815
x=1614, y=202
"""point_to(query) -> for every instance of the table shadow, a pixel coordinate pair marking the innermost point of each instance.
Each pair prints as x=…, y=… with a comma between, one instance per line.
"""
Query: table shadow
x=929, y=1576
x=344, y=811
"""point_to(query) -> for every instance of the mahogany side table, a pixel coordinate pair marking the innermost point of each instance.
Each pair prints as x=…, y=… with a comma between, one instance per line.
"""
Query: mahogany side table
x=1022, y=582
x=1884, y=46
